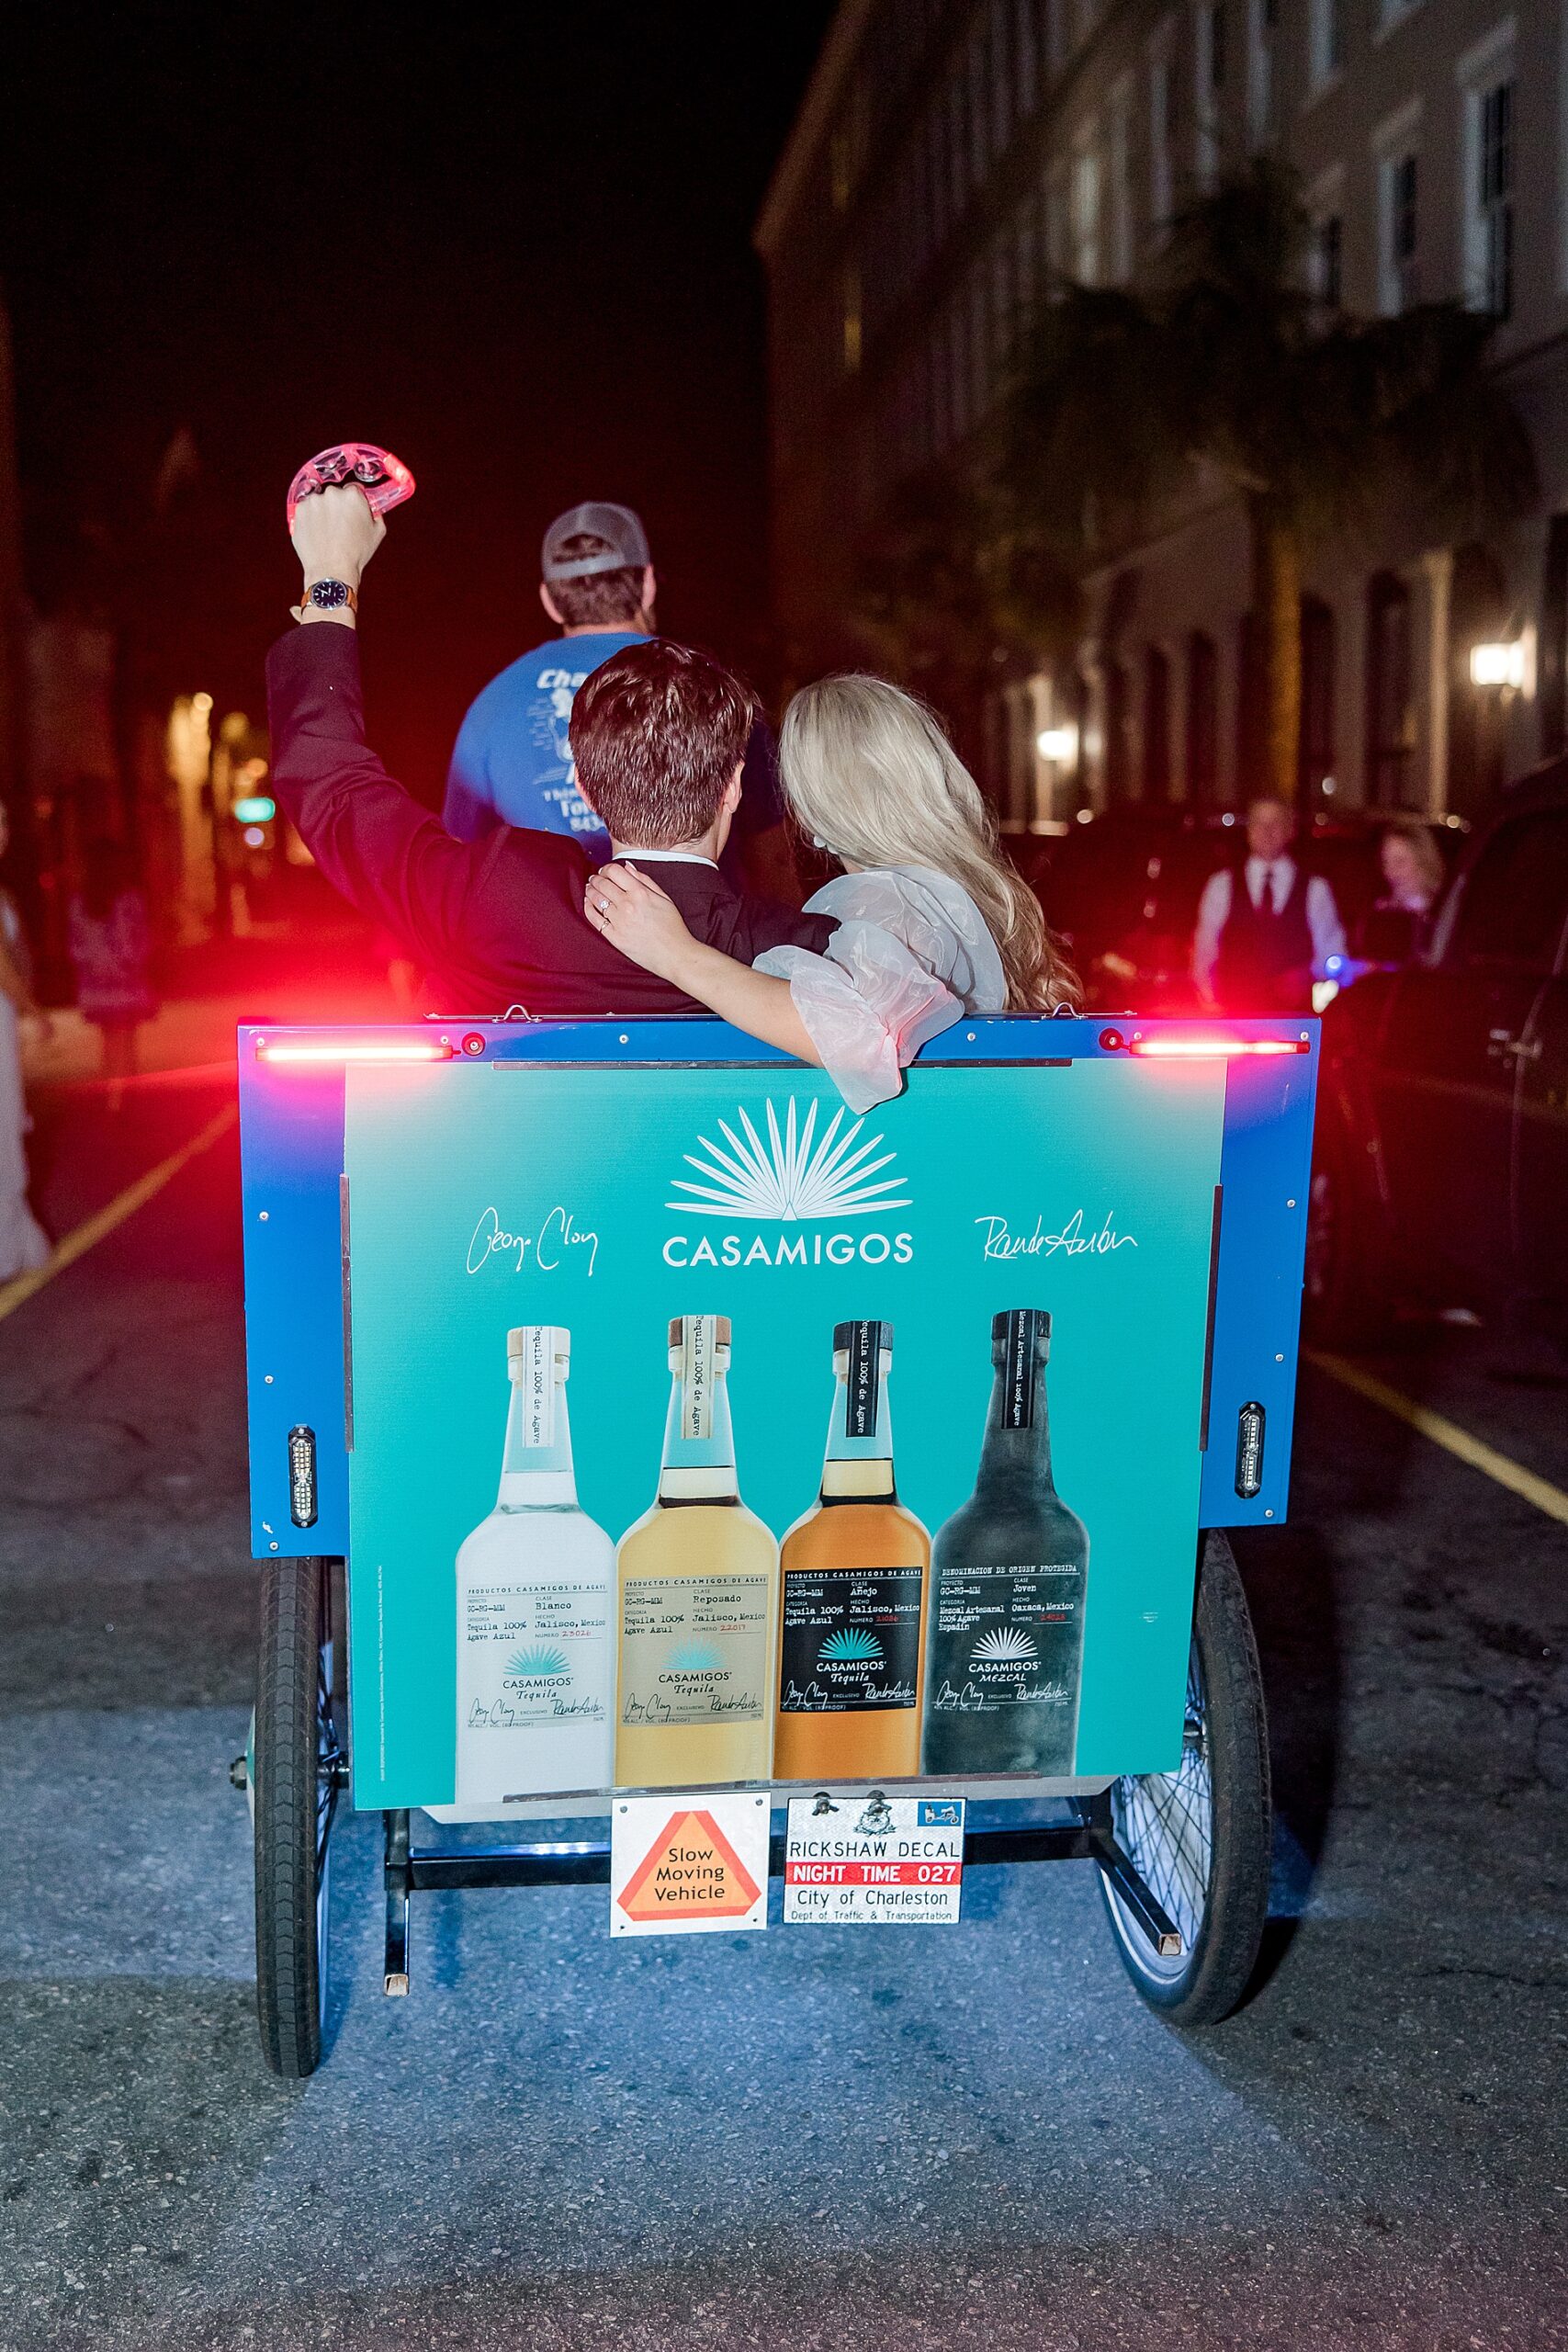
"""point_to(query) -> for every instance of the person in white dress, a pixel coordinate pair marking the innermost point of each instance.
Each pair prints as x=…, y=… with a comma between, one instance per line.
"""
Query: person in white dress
x=24, y=1245
x=933, y=921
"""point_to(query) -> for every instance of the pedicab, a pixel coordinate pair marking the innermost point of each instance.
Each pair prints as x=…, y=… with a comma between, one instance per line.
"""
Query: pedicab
x=1025, y=1615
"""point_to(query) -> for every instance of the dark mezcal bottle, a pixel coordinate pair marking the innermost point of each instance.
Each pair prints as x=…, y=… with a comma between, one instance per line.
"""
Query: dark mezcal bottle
x=1009, y=1570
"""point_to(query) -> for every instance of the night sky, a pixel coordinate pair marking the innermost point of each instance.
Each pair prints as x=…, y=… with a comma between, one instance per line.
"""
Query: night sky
x=510, y=241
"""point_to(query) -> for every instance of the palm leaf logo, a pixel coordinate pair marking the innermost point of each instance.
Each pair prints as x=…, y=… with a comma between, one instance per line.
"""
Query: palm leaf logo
x=850, y=1649
x=1005, y=1646
x=695, y=1658
x=791, y=1174
x=544, y=1658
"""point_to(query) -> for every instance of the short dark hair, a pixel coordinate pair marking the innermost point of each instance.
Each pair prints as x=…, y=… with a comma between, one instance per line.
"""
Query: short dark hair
x=604, y=599
x=657, y=732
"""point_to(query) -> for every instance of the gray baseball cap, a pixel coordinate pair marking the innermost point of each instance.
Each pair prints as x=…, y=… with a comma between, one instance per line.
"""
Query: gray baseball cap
x=620, y=529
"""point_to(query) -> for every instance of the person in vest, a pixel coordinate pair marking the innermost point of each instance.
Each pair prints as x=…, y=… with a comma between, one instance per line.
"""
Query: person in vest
x=1266, y=927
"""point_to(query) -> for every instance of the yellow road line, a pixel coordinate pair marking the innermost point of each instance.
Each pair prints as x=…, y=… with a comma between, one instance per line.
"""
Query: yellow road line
x=1442, y=1432
x=85, y=1236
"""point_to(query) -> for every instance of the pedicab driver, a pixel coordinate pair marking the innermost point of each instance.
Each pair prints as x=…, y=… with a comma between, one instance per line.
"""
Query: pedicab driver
x=512, y=763
x=658, y=737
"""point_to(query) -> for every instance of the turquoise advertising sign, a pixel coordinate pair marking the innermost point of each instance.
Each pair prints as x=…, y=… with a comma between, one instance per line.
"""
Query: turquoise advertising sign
x=617, y=1332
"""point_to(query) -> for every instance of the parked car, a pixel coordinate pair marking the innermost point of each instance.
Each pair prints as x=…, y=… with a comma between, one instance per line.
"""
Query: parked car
x=1441, y=1169
x=1123, y=887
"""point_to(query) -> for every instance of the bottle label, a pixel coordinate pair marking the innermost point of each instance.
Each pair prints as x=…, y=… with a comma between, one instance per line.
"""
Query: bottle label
x=535, y=1376
x=694, y=1649
x=850, y=1638
x=1007, y=1637
x=1020, y=1369
x=697, y=1350
x=863, y=1383
x=533, y=1656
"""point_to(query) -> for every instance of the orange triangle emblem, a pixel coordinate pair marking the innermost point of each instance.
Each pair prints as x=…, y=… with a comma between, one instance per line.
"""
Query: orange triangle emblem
x=690, y=1870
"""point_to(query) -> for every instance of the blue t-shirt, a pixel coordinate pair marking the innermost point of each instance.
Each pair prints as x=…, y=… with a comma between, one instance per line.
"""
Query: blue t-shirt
x=512, y=764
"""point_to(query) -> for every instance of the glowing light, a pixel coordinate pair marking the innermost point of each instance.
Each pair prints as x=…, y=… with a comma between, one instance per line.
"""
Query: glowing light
x=253, y=837
x=1056, y=742
x=323, y=1053
x=1497, y=665
x=1192, y=1049
x=201, y=703
x=1085, y=816
x=254, y=809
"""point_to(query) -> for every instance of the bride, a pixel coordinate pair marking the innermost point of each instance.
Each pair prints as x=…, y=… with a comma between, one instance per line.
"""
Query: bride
x=933, y=921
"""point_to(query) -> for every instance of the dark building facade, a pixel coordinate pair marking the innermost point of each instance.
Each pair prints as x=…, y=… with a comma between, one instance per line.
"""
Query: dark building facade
x=953, y=156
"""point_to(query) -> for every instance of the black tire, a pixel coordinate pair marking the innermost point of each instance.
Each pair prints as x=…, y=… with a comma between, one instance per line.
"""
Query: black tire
x=1200, y=1838
x=296, y=1793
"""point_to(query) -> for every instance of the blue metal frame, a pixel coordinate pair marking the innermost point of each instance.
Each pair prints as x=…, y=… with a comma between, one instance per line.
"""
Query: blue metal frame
x=291, y=1129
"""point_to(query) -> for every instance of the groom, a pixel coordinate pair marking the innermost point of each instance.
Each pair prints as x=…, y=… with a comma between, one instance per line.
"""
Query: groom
x=498, y=922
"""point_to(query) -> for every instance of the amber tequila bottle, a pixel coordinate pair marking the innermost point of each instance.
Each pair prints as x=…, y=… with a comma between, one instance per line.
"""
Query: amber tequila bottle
x=697, y=1588
x=852, y=1597
x=1008, y=1575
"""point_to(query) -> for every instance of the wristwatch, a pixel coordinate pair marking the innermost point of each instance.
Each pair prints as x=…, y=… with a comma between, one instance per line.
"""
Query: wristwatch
x=330, y=596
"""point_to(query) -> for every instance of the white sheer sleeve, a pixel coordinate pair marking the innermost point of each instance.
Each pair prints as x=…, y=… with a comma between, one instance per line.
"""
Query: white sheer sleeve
x=879, y=992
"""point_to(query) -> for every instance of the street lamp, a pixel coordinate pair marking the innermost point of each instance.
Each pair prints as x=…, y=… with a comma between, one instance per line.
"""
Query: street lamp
x=1501, y=664
x=1057, y=743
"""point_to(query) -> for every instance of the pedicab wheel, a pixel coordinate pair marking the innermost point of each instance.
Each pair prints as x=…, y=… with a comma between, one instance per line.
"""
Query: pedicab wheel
x=1200, y=1837
x=296, y=1773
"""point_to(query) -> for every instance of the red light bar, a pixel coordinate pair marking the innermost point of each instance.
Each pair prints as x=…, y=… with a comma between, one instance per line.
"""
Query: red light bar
x=408, y=1050
x=1214, y=1048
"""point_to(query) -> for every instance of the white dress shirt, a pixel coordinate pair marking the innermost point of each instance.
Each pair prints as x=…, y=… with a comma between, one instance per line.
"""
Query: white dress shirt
x=1269, y=882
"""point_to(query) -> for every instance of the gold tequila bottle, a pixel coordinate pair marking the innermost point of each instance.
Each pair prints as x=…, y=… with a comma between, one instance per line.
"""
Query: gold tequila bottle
x=698, y=1585
x=853, y=1597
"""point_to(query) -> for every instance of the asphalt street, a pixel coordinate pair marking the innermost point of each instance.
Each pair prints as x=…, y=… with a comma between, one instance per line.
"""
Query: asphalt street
x=814, y=2140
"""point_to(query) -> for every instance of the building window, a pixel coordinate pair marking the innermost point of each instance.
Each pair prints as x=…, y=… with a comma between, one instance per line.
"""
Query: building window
x=1059, y=245
x=1208, y=71
x=1317, y=761
x=1262, y=19
x=979, y=115
x=1086, y=208
x=1156, y=724
x=957, y=148
x=1027, y=45
x=849, y=289
x=1162, y=125
x=1487, y=80
x=1003, y=80
x=1391, y=728
x=1325, y=44
x=1118, y=732
x=1327, y=260
x=1202, y=748
x=1399, y=277
x=980, y=373
x=1024, y=258
x=1120, y=255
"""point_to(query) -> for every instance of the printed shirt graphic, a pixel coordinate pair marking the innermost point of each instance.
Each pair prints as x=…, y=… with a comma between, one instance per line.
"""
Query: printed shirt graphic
x=512, y=763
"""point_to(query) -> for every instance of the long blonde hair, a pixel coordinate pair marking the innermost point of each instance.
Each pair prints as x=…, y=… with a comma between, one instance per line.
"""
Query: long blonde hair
x=868, y=770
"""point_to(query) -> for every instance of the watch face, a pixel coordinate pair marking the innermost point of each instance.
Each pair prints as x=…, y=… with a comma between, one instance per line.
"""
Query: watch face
x=328, y=595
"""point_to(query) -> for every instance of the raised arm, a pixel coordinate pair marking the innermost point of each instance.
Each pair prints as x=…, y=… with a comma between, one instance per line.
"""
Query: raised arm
x=645, y=924
x=389, y=856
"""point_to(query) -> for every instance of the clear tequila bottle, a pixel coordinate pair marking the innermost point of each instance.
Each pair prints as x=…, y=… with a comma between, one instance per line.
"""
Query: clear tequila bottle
x=698, y=1581
x=535, y=1688
x=1008, y=1575
x=852, y=1592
